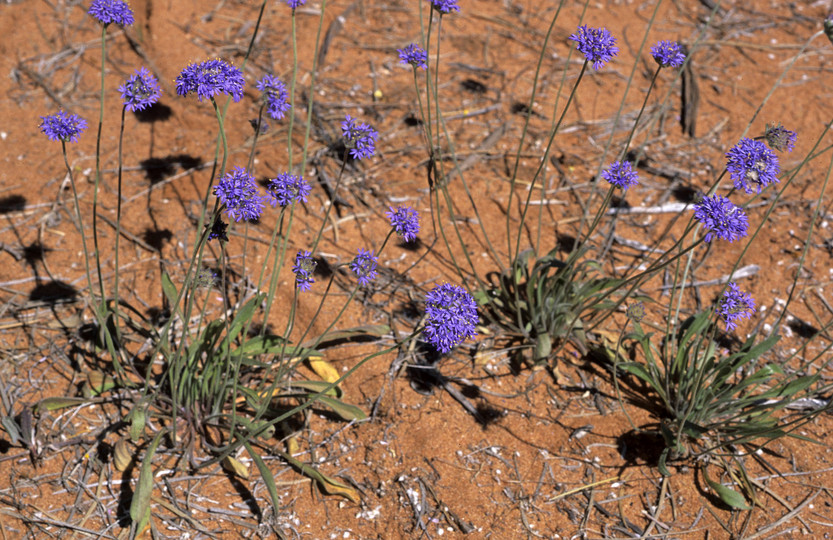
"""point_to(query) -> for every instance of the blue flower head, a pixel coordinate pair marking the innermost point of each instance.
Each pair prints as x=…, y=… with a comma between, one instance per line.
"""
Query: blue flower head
x=295, y=3
x=140, y=91
x=274, y=95
x=780, y=138
x=621, y=174
x=360, y=139
x=749, y=163
x=405, y=221
x=596, y=44
x=735, y=305
x=238, y=192
x=668, y=54
x=444, y=6
x=451, y=316
x=288, y=188
x=415, y=55
x=721, y=218
x=62, y=126
x=303, y=268
x=218, y=230
x=210, y=78
x=828, y=27
x=364, y=266
x=111, y=11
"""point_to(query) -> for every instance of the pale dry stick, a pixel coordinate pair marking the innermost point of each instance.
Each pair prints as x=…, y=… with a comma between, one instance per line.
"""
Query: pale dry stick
x=785, y=517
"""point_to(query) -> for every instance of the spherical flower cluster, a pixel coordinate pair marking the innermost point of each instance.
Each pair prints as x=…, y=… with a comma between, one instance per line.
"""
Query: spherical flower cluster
x=415, y=55
x=749, y=163
x=238, y=192
x=218, y=230
x=668, y=54
x=111, y=11
x=596, y=44
x=735, y=305
x=451, y=316
x=405, y=221
x=444, y=6
x=210, y=78
x=780, y=138
x=721, y=218
x=140, y=91
x=621, y=174
x=274, y=95
x=62, y=126
x=288, y=188
x=636, y=311
x=364, y=266
x=359, y=139
x=303, y=269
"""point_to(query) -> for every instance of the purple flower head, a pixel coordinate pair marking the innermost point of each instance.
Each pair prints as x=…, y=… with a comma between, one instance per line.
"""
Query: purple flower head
x=288, y=188
x=668, y=54
x=295, y=3
x=828, y=27
x=415, y=55
x=303, y=269
x=405, y=221
x=780, y=138
x=451, y=316
x=445, y=6
x=721, y=218
x=621, y=174
x=359, y=139
x=210, y=78
x=218, y=230
x=238, y=192
x=751, y=162
x=636, y=311
x=63, y=126
x=364, y=266
x=140, y=91
x=735, y=305
x=111, y=11
x=596, y=44
x=274, y=95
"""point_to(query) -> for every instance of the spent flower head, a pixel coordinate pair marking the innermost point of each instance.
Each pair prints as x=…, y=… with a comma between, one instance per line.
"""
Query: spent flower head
x=303, y=268
x=62, y=126
x=140, y=90
x=360, y=139
x=274, y=95
x=238, y=192
x=444, y=6
x=287, y=189
x=636, y=311
x=218, y=230
x=111, y=11
x=451, y=316
x=415, y=55
x=621, y=174
x=749, y=163
x=405, y=221
x=668, y=54
x=596, y=44
x=735, y=305
x=721, y=218
x=780, y=138
x=209, y=78
x=364, y=266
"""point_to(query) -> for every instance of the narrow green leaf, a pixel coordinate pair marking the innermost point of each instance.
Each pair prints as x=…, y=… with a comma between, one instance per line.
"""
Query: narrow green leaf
x=728, y=495
x=266, y=474
x=55, y=403
x=140, y=505
x=344, y=410
x=169, y=289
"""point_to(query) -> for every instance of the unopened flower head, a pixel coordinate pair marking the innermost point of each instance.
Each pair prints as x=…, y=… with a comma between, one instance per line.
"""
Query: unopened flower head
x=206, y=279
x=735, y=305
x=287, y=189
x=360, y=139
x=405, y=221
x=721, y=218
x=111, y=11
x=364, y=266
x=636, y=311
x=209, y=78
x=596, y=44
x=621, y=174
x=218, y=230
x=62, y=126
x=668, y=54
x=140, y=91
x=238, y=192
x=274, y=95
x=451, y=317
x=750, y=163
x=303, y=268
x=780, y=138
x=444, y=6
x=415, y=55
